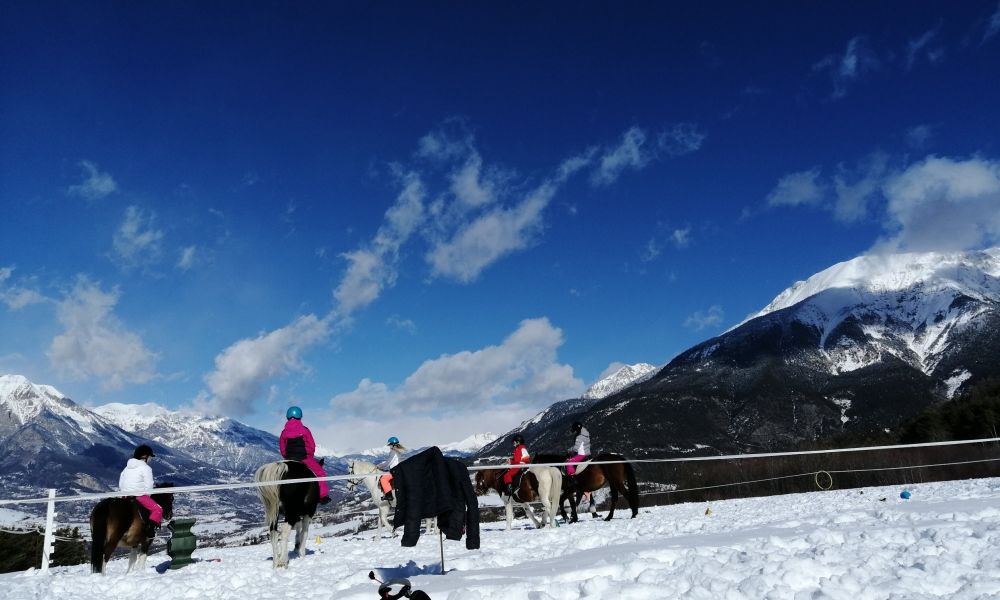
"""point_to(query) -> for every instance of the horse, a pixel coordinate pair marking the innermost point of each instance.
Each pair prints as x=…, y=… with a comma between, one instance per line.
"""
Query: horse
x=591, y=476
x=297, y=501
x=117, y=522
x=371, y=474
x=539, y=484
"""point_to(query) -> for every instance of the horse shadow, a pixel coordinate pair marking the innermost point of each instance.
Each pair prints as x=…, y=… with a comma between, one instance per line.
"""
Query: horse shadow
x=410, y=569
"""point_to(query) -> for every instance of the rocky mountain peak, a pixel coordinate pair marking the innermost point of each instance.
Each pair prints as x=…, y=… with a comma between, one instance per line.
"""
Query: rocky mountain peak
x=619, y=380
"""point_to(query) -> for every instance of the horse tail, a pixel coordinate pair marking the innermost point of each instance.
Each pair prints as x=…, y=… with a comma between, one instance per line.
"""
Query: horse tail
x=270, y=495
x=98, y=536
x=555, y=493
x=632, y=494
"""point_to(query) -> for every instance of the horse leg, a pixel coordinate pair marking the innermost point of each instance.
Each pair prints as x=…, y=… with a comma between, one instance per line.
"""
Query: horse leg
x=279, y=544
x=509, y=505
x=143, y=549
x=301, y=535
x=614, y=500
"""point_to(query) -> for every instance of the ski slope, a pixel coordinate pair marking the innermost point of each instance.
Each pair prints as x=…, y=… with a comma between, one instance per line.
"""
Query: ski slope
x=857, y=544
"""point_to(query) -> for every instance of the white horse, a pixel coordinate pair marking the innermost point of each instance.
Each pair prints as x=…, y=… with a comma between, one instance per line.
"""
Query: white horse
x=549, y=488
x=369, y=476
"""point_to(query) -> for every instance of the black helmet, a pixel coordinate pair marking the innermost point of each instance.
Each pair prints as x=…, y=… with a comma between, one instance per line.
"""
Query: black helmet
x=142, y=452
x=518, y=439
x=577, y=426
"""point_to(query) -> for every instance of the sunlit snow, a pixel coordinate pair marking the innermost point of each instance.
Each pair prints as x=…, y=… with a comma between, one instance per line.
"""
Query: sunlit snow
x=856, y=544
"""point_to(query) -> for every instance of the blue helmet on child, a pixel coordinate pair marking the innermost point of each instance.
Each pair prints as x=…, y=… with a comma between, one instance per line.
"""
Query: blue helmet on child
x=294, y=412
x=392, y=441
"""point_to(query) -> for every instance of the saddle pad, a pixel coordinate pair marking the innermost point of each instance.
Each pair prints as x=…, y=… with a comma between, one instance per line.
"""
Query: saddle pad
x=580, y=466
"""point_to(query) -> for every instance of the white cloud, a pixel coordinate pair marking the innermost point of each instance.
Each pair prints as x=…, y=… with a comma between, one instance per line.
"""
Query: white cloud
x=797, y=189
x=681, y=139
x=397, y=322
x=610, y=370
x=857, y=60
x=14, y=296
x=96, y=185
x=374, y=268
x=631, y=153
x=243, y=369
x=681, y=238
x=921, y=48
x=489, y=237
x=993, y=27
x=919, y=136
x=855, y=190
x=451, y=141
x=468, y=183
x=476, y=244
x=651, y=251
x=188, y=258
x=522, y=372
x=943, y=204
x=136, y=243
x=704, y=319
x=96, y=343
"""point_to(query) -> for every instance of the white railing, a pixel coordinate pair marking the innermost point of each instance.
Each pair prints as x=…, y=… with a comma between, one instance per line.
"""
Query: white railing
x=51, y=499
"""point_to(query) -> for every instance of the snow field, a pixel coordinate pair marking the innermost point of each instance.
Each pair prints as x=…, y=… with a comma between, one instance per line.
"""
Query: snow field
x=841, y=544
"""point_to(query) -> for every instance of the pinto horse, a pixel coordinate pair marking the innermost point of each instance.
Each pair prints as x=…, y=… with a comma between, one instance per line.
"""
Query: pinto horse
x=297, y=501
x=116, y=522
x=589, y=477
x=539, y=484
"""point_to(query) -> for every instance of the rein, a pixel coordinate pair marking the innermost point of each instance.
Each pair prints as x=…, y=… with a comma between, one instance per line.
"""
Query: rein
x=351, y=483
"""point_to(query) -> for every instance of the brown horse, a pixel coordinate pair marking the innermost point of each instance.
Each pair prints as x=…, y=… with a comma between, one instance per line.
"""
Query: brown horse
x=115, y=522
x=618, y=476
x=538, y=484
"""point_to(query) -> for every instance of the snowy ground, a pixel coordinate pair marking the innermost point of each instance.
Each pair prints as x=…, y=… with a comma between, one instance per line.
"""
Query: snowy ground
x=853, y=544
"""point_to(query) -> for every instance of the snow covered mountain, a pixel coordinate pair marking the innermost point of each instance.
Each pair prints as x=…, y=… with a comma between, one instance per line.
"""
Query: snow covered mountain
x=218, y=441
x=861, y=346
x=619, y=380
x=47, y=440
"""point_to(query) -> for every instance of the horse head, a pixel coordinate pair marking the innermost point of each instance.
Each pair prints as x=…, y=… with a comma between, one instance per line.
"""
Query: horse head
x=485, y=480
x=165, y=500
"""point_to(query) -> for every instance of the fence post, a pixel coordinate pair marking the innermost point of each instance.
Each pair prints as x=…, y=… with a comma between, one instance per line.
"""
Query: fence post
x=49, y=540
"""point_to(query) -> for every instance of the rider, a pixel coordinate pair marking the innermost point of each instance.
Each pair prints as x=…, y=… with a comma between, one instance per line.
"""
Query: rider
x=296, y=443
x=396, y=451
x=521, y=457
x=580, y=448
x=137, y=476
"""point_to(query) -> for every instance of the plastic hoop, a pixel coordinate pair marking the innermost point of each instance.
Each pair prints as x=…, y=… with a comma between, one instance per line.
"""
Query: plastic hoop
x=829, y=478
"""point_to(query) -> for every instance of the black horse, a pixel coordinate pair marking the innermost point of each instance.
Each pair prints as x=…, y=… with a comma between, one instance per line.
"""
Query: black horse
x=118, y=522
x=618, y=476
x=297, y=501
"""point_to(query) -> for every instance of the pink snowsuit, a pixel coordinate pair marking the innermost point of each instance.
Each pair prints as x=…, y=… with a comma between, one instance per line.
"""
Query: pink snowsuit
x=296, y=443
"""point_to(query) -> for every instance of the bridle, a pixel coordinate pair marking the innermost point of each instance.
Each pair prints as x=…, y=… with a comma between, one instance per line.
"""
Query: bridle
x=351, y=483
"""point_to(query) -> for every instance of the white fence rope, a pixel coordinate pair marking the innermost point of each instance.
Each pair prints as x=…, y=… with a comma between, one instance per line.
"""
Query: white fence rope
x=234, y=486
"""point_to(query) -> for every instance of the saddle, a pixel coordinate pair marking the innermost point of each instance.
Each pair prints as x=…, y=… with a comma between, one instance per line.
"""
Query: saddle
x=515, y=484
x=580, y=466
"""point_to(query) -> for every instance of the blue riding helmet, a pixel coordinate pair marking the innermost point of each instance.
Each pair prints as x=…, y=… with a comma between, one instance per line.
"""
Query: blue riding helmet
x=392, y=440
x=294, y=412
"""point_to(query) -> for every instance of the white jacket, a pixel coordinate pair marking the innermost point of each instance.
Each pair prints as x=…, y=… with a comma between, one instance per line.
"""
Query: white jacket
x=137, y=476
x=581, y=445
x=394, y=457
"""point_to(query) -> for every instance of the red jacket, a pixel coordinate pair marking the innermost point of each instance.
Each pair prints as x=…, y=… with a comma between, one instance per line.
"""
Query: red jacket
x=296, y=441
x=521, y=456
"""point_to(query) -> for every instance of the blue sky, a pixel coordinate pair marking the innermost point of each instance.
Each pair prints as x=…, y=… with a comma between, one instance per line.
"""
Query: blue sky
x=434, y=219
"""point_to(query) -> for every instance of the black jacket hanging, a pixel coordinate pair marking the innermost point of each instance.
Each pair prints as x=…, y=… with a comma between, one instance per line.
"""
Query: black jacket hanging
x=430, y=485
